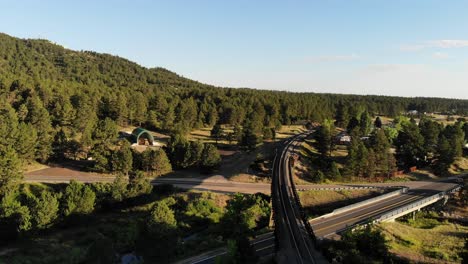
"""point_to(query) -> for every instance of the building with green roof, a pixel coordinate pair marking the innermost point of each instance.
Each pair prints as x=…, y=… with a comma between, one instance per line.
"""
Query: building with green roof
x=142, y=136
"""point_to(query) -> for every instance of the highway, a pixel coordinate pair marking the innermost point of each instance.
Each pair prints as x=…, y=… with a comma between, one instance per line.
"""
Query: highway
x=328, y=226
x=263, y=245
x=295, y=245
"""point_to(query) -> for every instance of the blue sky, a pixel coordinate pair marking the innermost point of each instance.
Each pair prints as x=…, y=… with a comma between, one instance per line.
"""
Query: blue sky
x=406, y=48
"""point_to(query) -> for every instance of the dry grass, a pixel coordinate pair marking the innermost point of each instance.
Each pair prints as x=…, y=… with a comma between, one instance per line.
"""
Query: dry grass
x=287, y=131
x=443, y=118
x=249, y=178
x=204, y=135
x=460, y=166
x=437, y=245
x=34, y=166
x=314, y=198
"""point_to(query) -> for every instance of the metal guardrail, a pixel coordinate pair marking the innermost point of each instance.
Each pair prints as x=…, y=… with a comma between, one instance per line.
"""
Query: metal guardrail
x=420, y=203
x=343, y=188
x=371, y=200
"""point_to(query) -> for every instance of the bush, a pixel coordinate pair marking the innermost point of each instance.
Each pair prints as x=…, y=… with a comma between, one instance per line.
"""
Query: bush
x=45, y=209
x=78, y=199
x=210, y=159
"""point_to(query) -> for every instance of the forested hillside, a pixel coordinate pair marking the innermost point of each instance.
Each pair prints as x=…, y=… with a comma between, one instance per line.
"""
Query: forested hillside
x=50, y=92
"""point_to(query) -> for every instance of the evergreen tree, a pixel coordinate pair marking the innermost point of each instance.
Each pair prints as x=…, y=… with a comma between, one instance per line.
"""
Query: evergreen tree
x=119, y=187
x=410, y=146
x=14, y=214
x=352, y=124
x=8, y=125
x=162, y=219
x=250, y=136
x=217, y=132
x=325, y=139
x=139, y=184
x=237, y=134
x=10, y=171
x=104, y=136
x=40, y=119
x=78, y=199
x=341, y=116
x=365, y=124
x=444, y=157
x=44, y=209
x=430, y=131
x=155, y=162
x=122, y=159
x=210, y=159
x=318, y=176
x=334, y=172
x=26, y=143
x=378, y=122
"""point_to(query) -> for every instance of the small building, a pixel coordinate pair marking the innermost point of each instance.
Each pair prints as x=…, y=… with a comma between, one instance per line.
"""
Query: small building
x=343, y=139
x=142, y=137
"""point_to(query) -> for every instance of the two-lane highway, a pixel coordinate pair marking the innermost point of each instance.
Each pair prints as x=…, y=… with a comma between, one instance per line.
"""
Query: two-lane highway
x=327, y=226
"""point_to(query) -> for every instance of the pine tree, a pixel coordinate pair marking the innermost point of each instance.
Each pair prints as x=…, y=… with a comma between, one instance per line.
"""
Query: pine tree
x=40, y=119
x=217, y=132
x=26, y=143
x=430, y=131
x=341, y=116
x=45, y=209
x=378, y=122
x=410, y=146
x=119, y=187
x=10, y=170
x=122, y=159
x=138, y=184
x=365, y=124
x=78, y=199
x=210, y=159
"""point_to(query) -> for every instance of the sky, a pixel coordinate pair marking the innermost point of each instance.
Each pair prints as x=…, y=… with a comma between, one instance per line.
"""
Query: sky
x=397, y=47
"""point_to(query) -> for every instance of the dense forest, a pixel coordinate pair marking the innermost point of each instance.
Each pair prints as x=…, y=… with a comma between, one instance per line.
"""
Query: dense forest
x=57, y=103
x=48, y=92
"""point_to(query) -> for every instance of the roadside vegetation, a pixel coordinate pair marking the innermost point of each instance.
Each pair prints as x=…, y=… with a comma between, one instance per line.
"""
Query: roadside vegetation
x=99, y=223
x=428, y=238
x=361, y=246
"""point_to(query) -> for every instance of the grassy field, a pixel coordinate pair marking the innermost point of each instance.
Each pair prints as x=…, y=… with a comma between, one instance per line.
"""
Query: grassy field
x=318, y=203
x=287, y=131
x=426, y=240
x=204, y=134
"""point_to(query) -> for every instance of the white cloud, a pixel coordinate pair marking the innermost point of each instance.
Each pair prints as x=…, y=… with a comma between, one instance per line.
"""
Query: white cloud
x=449, y=43
x=333, y=58
x=440, y=55
x=442, y=43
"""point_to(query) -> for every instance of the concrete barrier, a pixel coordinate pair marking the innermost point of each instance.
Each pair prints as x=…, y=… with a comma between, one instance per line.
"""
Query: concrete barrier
x=406, y=209
x=369, y=201
x=365, y=202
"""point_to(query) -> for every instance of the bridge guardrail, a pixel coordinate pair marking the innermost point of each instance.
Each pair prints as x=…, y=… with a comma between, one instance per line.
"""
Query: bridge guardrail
x=368, y=201
x=404, y=208
x=418, y=203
